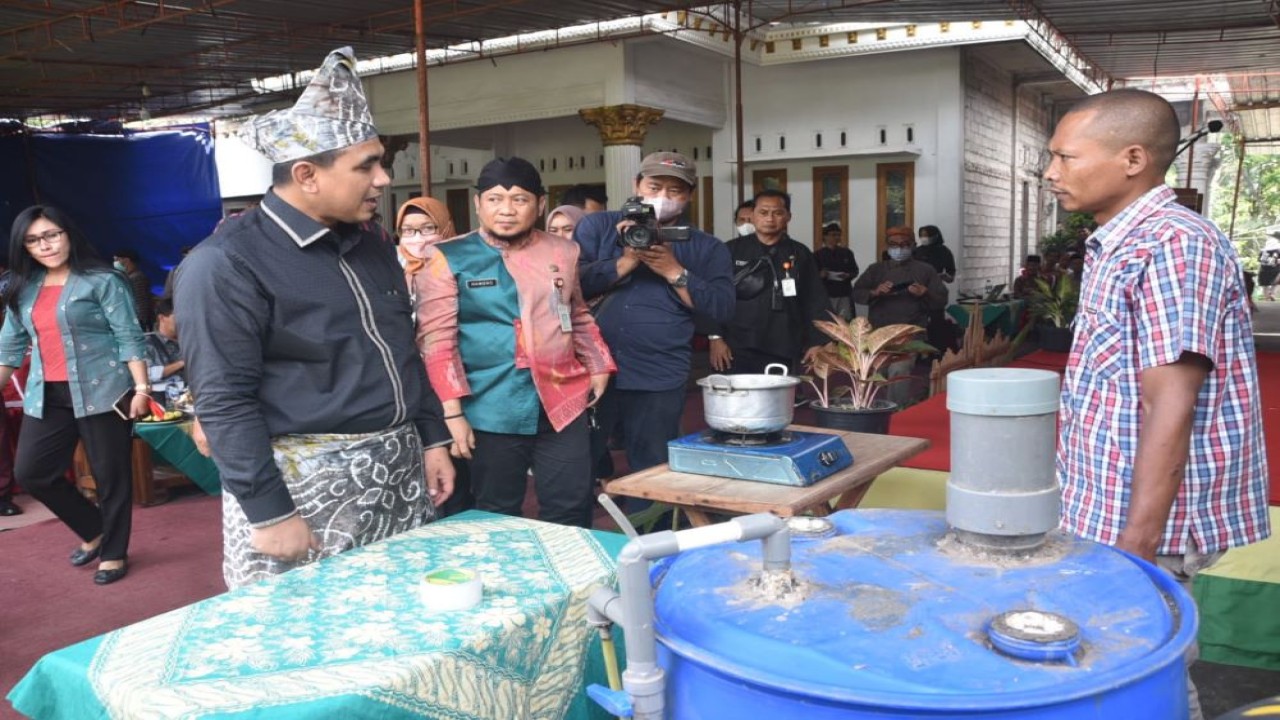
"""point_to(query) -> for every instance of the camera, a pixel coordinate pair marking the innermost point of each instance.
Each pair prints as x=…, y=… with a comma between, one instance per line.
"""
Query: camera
x=645, y=233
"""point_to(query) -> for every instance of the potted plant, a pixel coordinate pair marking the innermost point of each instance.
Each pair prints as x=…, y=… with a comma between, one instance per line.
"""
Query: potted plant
x=1053, y=308
x=863, y=355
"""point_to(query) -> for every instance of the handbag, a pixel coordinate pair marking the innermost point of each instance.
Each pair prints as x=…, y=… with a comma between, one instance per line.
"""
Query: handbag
x=750, y=280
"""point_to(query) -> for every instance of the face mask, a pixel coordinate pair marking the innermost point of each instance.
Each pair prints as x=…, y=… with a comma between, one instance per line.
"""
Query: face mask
x=666, y=209
x=119, y=266
x=745, y=229
x=926, y=240
x=898, y=254
x=416, y=247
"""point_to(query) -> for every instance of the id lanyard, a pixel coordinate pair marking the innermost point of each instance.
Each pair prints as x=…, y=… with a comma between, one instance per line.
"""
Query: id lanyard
x=788, y=282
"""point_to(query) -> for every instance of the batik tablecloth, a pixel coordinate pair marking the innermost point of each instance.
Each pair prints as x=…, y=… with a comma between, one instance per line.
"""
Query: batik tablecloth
x=348, y=637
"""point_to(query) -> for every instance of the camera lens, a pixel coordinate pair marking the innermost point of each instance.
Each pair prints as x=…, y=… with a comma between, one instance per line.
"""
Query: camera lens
x=638, y=236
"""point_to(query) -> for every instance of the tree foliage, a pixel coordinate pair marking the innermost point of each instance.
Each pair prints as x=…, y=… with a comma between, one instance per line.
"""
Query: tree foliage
x=1258, y=207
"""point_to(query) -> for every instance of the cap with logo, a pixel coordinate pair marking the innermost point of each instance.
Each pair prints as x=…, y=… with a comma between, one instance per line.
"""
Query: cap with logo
x=669, y=164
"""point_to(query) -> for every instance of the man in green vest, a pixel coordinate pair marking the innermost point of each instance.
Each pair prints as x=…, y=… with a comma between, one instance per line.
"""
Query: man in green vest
x=512, y=351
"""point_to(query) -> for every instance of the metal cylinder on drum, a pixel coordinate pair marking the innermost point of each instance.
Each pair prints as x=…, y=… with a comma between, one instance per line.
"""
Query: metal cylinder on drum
x=1003, y=490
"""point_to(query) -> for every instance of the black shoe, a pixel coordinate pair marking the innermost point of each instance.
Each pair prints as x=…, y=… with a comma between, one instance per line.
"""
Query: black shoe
x=106, y=577
x=8, y=509
x=83, y=557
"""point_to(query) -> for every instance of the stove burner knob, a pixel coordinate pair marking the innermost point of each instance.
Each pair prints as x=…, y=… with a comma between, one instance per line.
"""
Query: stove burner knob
x=827, y=458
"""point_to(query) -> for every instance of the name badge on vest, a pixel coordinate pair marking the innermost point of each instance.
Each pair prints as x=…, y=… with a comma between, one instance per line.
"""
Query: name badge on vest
x=559, y=306
x=482, y=283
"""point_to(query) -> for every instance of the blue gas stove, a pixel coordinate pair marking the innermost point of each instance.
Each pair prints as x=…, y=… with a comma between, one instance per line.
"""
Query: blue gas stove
x=790, y=457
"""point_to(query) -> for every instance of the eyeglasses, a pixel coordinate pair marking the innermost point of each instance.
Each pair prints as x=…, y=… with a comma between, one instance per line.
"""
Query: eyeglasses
x=49, y=236
x=427, y=231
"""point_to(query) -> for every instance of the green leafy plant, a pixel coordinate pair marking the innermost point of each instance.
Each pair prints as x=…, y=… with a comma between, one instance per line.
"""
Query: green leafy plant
x=1067, y=234
x=1055, y=304
x=861, y=354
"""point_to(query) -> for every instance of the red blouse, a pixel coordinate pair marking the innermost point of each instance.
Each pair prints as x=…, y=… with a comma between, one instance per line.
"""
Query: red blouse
x=44, y=316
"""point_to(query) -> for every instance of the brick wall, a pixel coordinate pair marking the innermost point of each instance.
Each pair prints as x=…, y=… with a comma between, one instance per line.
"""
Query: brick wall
x=988, y=187
x=996, y=177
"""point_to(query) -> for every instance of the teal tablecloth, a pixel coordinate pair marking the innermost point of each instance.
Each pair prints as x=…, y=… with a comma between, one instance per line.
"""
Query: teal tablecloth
x=348, y=638
x=1005, y=315
x=173, y=443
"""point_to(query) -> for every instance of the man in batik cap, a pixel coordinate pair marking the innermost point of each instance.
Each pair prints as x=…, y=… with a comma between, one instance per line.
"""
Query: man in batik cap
x=513, y=351
x=298, y=340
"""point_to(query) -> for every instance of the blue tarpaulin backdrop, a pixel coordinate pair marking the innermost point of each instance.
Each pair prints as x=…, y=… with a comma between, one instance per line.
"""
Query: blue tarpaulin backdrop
x=153, y=192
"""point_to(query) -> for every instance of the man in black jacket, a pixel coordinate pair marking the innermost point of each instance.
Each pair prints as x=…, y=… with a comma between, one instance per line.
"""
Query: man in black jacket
x=779, y=294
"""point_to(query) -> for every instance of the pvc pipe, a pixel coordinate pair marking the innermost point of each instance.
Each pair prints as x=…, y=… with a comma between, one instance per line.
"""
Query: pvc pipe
x=644, y=680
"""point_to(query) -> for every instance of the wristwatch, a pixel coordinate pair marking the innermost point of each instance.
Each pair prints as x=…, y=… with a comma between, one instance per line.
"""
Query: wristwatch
x=682, y=280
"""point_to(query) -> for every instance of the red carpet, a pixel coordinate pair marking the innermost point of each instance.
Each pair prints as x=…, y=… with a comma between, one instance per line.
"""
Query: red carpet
x=1269, y=389
x=175, y=558
x=930, y=419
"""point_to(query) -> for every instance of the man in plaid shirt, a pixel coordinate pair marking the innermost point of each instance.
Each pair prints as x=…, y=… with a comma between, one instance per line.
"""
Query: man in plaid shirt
x=1161, y=453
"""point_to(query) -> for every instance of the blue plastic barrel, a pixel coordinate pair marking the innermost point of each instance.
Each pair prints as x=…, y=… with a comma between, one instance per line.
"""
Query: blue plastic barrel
x=899, y=621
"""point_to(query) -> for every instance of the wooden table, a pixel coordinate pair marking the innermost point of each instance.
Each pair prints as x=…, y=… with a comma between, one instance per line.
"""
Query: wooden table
x=697, y=495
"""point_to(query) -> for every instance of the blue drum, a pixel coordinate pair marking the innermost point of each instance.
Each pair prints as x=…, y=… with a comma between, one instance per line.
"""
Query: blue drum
x=896, y=618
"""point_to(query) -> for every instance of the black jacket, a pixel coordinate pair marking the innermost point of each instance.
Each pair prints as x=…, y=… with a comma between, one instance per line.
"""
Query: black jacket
x=939, y=256
x=764, y=319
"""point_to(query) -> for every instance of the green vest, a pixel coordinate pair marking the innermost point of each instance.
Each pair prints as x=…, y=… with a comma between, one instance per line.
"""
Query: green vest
x=503, y=398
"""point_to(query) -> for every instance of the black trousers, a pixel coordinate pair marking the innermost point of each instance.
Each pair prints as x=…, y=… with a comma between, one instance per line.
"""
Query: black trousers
x=561, y=463
x=6, y=457
x=753, y=362
x=45, y=449
x=648, y=420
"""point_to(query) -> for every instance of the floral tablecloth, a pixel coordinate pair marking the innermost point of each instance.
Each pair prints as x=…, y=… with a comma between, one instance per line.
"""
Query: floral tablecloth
x=349, y=638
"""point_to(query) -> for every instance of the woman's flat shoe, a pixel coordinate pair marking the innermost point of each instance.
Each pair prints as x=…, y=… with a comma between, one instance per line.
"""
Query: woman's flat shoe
x=106, y=577
x=84, y=557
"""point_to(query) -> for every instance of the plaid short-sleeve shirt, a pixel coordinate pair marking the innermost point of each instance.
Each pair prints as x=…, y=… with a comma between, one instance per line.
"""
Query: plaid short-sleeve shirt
x=1160, y=280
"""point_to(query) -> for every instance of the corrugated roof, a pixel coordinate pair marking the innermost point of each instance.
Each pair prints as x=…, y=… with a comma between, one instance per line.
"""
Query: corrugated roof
x=107, y=58
x=91, y=57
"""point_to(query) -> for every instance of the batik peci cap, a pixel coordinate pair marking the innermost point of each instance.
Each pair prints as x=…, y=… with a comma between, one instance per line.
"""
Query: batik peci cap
x=669, y=164
x=331, y=114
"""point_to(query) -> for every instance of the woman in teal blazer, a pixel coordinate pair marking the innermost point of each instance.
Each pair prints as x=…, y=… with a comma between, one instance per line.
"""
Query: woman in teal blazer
x=88, y=379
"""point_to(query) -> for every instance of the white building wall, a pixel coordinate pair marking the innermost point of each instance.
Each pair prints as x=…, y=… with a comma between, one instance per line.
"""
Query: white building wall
x=856, y=96
x=511, y=89
x=242, y=171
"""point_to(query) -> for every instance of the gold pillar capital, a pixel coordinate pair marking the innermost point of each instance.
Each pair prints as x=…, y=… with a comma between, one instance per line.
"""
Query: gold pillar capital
x=621, y=124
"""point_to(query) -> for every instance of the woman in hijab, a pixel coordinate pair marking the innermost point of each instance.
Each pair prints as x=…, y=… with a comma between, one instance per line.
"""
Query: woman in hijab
x=421, y=223
x=1269, y=268
x=564, y=219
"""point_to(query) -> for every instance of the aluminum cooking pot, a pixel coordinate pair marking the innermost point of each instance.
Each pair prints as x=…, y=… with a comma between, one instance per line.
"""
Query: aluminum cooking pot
x=749, y=404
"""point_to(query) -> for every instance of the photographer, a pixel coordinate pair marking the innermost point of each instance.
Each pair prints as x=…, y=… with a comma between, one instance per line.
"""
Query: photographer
x=647, y=299
x=779, y=295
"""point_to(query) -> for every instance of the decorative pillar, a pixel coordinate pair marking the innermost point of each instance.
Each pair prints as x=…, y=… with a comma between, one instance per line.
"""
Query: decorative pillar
x=622, y=130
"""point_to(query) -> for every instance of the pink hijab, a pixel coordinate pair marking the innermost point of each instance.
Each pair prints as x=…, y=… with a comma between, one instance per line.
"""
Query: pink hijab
x=573, y=212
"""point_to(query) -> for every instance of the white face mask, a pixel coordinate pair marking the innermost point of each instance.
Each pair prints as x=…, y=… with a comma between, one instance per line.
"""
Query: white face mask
x=665, y=208
x=898, y=254
x=926, y=240
x=745, y=229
